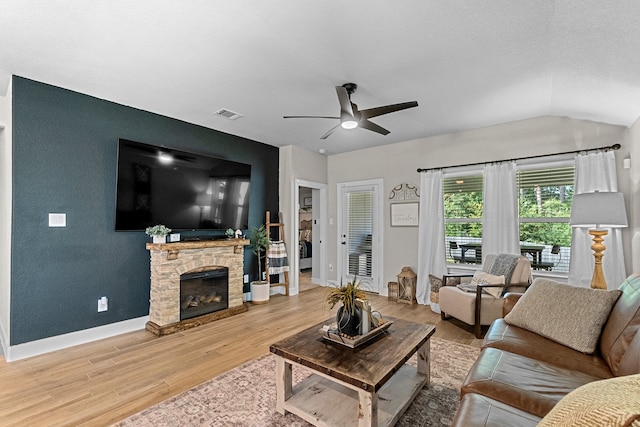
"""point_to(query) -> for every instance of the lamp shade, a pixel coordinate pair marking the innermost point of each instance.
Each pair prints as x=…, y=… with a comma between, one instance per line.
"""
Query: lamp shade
x=599, y=209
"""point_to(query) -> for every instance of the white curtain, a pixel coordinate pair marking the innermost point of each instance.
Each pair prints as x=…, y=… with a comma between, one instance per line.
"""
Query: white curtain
x=500, y=226
x=431, y=256
x=596, y=171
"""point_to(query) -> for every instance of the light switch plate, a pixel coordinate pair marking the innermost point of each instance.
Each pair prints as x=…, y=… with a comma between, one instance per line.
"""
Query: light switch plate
x=57, y=220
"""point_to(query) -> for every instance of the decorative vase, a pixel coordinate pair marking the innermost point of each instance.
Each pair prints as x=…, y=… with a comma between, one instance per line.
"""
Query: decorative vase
x=159, y=239
x=348, y=323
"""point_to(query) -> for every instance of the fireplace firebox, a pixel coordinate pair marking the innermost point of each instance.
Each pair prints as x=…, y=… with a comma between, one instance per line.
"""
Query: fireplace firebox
x=204, y=292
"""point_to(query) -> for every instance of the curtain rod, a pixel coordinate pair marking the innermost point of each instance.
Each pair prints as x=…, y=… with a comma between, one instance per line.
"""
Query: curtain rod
x=612, y=147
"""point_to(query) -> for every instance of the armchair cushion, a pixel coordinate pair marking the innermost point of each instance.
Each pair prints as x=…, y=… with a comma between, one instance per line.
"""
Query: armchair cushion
x=566, y=314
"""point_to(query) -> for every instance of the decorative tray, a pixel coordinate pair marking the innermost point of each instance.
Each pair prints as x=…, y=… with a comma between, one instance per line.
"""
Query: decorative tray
x=330, y=332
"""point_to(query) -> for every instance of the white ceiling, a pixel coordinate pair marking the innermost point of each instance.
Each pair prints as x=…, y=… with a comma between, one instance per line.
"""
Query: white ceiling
x=468, y=63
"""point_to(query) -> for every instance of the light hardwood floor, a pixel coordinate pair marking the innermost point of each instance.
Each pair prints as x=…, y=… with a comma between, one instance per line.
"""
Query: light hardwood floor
x=103, y=382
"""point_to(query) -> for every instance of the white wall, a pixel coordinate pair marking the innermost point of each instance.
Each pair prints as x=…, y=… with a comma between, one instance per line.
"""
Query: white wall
x=5, y=216
x=297, y=163
x=397, y=163
x=633, y=201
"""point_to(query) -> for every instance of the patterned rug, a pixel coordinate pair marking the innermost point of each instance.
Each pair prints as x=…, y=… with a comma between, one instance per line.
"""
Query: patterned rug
x=245, y=396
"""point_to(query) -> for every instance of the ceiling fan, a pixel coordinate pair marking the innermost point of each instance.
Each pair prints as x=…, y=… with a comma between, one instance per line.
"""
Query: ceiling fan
x=351, y=117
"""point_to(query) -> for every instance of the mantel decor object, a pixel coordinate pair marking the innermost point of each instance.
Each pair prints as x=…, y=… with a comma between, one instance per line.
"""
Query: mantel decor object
x=158, y=233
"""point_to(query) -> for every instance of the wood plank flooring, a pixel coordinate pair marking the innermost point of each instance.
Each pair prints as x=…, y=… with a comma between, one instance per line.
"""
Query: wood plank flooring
x=105, y=381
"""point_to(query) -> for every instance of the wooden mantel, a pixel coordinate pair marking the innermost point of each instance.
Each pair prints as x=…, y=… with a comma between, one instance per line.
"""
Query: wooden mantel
x=173, y=249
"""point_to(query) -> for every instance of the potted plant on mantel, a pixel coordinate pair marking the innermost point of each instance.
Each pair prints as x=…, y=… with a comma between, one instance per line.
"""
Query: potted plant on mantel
x=158, y=232
x=259, y=243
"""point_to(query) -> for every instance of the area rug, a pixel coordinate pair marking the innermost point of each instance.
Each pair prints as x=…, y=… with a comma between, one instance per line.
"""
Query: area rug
x=245, y=396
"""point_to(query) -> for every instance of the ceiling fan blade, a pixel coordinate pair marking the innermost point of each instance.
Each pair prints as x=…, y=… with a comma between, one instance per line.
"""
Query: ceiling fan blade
x=329, y=132
x=345, y=102
x=378, y=111
x=309, y=117
x=366, y=124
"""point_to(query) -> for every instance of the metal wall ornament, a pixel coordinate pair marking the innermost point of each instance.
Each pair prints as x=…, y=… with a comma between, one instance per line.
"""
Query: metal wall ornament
x=405, y=192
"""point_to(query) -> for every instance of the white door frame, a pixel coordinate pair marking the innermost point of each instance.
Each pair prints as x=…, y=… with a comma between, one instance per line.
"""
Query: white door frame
x=378, y=230
x=321, y=252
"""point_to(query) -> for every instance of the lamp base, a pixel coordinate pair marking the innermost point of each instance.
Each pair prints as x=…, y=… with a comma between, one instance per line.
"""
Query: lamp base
x=598, y=281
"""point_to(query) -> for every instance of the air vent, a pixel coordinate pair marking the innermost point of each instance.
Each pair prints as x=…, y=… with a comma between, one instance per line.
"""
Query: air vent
x=228, y=114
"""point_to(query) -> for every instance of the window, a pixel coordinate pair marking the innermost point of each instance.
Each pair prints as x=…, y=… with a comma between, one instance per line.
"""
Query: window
x=544, y=198
x=463, y=202
x=545, y=193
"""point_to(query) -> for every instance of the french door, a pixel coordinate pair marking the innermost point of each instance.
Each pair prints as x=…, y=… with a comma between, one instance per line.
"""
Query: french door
x=360, y=239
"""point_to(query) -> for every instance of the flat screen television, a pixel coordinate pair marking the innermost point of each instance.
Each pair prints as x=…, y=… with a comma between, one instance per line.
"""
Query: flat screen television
x=179, y=189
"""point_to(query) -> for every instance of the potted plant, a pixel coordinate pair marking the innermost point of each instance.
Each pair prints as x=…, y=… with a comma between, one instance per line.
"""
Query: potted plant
x=158, y=232
x=348, y=315
x=259, y=242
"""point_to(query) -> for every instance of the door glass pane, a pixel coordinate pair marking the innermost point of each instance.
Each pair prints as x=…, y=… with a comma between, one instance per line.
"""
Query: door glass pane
x=359, y=232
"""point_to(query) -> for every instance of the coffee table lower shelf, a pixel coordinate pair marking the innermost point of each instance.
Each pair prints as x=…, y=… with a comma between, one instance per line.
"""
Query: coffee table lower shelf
x=328, y=402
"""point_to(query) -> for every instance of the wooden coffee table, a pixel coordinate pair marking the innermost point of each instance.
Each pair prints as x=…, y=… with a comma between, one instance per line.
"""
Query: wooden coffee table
x=369, y=385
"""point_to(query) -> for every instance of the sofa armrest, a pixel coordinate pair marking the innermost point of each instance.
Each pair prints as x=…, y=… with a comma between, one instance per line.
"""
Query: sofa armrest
x=510, y=299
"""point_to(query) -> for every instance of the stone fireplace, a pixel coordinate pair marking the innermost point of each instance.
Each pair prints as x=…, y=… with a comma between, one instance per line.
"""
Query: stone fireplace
x=170, y=261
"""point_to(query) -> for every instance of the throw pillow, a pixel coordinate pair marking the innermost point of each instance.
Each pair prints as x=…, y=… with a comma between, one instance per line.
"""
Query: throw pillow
x=503, y=265
x=482, y=278
x=436, y=284
x=611, y=402
x=566, y=314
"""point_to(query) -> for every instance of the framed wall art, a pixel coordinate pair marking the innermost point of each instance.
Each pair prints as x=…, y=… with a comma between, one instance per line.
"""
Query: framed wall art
x=404, y=214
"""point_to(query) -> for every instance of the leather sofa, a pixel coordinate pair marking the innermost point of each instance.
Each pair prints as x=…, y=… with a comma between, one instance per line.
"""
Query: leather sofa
x=520, y=376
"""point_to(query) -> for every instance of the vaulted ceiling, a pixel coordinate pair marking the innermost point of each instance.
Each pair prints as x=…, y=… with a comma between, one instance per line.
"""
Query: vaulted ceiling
x=468, y=63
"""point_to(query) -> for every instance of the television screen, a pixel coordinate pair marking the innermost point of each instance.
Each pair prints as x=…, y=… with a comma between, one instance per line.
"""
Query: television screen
x=182, y=190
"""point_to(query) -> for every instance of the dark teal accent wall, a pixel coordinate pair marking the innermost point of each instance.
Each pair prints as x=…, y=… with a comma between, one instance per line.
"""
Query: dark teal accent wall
x=64, y=160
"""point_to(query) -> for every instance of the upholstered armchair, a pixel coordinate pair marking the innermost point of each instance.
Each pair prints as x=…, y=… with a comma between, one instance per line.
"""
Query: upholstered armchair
x=477, y=300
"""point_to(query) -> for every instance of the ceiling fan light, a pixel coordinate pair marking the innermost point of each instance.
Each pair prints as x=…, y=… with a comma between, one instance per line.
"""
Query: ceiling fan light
x=349, y=124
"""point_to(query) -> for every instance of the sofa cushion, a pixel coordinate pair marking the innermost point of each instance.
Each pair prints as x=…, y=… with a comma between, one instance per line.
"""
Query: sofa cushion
x=622, y=325
x=612, y=402
x=516, y=340
x=476, y=410
x=527, y=384
x=567, y=314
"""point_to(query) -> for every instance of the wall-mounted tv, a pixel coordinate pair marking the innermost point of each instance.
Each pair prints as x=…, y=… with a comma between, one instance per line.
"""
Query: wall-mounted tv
x=182, y=190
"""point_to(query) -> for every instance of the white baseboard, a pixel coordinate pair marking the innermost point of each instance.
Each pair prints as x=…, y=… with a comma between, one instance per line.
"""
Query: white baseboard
x=46, y=345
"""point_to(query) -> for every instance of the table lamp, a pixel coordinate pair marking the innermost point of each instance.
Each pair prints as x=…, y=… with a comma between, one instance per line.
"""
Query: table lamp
x=598, y=210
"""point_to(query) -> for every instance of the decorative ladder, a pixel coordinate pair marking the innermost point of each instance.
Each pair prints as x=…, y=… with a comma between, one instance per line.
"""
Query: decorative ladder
x=280, y=226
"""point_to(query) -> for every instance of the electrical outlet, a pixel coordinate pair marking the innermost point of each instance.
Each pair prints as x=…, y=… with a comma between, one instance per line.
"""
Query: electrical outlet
x=246, y=278
x=330, y=267
x=103, y=304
